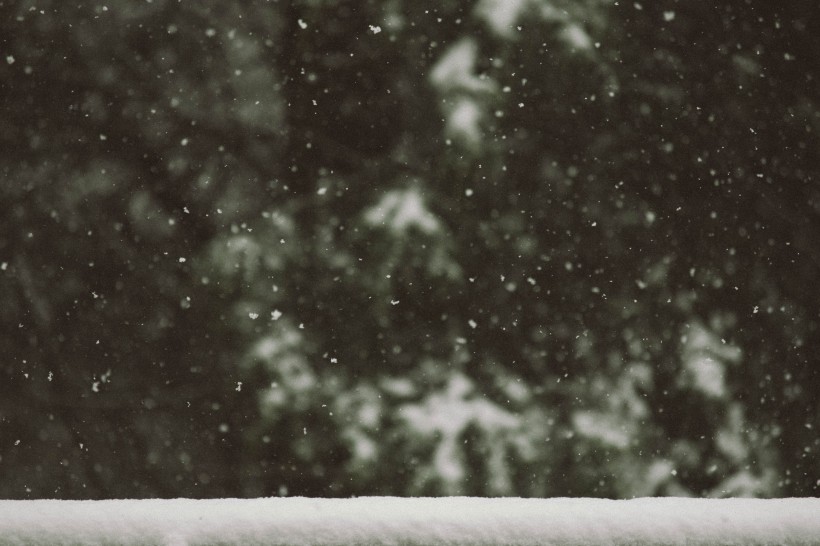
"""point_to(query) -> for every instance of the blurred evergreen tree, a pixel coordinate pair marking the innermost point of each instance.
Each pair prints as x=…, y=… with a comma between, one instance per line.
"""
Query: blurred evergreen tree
x=348, y=247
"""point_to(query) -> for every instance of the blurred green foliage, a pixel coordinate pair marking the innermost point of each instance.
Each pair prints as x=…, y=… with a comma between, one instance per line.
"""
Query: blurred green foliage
x=336, y=247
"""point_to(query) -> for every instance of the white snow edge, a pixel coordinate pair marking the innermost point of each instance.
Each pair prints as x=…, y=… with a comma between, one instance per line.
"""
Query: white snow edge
x=383, y=521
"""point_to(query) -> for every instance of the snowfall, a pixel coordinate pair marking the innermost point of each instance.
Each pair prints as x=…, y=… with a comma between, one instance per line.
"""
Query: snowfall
x=375, y=521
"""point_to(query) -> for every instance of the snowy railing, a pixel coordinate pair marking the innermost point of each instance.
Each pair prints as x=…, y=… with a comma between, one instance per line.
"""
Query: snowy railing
x=382, y=521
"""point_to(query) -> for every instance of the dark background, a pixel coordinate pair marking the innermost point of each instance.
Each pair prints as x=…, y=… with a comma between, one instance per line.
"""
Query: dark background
x=409, y=247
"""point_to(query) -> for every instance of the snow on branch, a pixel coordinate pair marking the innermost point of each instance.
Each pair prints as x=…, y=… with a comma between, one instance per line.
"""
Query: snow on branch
x=382, y=521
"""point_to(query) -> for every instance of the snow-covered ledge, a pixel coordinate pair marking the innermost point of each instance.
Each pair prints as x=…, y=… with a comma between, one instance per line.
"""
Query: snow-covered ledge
x=382, y=521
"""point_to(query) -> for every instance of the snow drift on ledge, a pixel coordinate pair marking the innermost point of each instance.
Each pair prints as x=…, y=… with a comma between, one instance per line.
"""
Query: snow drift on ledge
x=382, y=521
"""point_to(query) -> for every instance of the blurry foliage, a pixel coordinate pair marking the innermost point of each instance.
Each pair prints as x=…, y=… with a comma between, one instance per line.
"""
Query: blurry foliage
x=331, y=248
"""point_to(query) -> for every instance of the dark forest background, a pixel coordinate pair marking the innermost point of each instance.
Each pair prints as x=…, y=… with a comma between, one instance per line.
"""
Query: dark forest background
x=409, y=247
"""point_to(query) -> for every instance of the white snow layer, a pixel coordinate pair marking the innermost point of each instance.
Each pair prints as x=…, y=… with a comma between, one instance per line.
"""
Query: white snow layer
x=382, y=521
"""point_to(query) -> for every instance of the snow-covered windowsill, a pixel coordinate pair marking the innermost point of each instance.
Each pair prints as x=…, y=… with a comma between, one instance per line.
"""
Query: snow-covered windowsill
x=377, y=521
